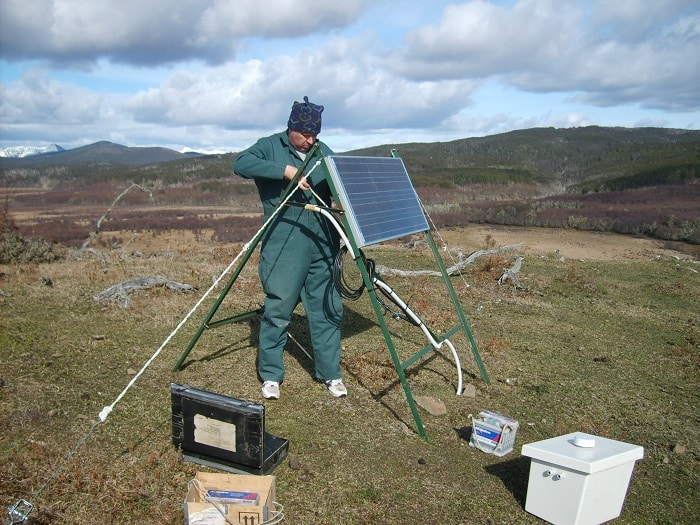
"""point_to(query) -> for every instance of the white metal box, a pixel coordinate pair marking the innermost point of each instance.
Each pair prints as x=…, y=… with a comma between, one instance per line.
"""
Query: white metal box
x=579, y=479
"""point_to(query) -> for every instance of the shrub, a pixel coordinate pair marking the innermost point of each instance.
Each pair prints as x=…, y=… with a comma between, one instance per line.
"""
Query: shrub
x=15, y=248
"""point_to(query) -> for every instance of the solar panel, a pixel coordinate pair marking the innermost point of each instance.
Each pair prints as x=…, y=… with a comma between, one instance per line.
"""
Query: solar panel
x=377, y=196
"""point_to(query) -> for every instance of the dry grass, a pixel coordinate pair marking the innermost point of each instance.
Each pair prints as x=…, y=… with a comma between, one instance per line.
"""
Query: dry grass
x=610, y=348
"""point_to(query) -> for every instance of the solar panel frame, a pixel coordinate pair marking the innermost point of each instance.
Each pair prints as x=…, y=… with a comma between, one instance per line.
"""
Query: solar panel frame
x=377, y=196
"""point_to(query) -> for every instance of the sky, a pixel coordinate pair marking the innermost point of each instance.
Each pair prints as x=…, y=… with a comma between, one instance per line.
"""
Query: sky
x=215, y=75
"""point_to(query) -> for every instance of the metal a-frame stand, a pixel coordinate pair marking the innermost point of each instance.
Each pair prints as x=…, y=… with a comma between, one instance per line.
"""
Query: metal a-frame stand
x=370, y=283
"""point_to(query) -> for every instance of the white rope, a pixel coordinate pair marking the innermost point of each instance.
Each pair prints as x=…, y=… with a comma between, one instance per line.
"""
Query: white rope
x=318, y=197
x=106, y=410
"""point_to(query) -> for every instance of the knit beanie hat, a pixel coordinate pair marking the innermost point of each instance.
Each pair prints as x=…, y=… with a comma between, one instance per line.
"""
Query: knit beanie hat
x=305, y=117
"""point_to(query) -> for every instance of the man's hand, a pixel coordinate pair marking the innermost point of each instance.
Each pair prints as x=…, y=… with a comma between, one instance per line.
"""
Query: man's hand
x=289, y=173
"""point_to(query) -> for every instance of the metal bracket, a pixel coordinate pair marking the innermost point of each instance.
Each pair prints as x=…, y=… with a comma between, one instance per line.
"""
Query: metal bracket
x=19, y=512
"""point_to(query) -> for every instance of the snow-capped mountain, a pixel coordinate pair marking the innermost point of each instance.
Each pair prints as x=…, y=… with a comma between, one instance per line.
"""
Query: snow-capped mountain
x=202, y=151
x=18, y=152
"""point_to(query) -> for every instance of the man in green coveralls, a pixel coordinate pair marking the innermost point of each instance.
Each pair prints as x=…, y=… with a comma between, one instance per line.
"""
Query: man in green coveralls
x=297, y=250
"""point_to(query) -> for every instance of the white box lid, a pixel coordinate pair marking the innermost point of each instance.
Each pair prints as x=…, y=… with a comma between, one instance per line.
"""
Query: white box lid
x=605, y=454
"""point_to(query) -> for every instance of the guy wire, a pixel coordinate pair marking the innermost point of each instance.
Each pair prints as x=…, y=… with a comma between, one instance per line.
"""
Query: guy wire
x=445, y=248
x=66, y=460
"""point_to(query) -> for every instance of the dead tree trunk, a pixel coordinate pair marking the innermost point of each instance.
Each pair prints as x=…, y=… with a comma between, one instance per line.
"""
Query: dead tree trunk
x=106, y=214
x=511, y=274
x=119, y=293
x=452, y=270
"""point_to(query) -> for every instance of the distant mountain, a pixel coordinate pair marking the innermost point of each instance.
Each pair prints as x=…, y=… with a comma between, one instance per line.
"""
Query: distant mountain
x=20, y=152
x=575, y=160
x=100, y=153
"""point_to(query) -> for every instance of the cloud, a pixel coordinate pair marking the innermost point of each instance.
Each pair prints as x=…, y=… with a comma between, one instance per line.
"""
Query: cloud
x=38, y=99
x=358, y=92
x=222, y=95
x=479, y=39
x=221, y=73
x=638, y=20
x=151, y=32
x=628, y=51
x=276, y=18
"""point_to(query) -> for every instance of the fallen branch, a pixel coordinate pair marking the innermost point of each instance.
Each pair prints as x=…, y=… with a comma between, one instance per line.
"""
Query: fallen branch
x=511, y=274
x=452, y=270
x=119, y=293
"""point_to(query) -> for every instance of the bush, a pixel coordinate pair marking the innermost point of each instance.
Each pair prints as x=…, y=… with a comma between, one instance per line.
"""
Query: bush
x=14, y=248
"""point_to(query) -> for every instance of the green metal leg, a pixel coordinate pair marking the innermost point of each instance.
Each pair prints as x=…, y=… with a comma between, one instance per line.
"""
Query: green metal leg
x=458, y=308
x=212, y=312
x=390, y=344
x=397, y=364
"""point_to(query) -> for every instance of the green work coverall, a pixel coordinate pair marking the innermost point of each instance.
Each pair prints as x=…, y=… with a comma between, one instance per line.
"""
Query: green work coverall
x=296, y=258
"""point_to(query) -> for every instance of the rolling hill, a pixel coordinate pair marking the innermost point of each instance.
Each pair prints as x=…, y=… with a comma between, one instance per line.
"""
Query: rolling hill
x=578, y=159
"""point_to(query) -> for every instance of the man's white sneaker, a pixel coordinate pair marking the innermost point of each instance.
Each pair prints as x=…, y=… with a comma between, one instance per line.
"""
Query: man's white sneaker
x=337, y=388
x=271, y=390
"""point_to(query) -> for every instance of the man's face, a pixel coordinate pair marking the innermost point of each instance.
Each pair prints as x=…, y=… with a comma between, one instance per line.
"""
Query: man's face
x=301, y=141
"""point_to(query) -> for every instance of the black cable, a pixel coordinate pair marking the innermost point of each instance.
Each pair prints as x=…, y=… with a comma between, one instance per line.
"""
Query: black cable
x=393, y=313
x=354, y=294
x=339, y=277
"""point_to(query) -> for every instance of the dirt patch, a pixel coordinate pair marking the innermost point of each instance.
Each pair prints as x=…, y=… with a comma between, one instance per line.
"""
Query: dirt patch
x=572, y=244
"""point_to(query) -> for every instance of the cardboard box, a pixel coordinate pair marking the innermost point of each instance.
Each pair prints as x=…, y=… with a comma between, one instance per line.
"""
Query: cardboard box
x=199, y=511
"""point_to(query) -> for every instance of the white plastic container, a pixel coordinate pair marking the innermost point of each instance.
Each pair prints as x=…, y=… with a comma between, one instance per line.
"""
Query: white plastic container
x=579, y=479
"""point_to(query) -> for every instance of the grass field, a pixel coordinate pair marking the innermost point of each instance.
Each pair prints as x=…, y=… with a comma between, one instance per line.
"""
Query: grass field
x=609, y=347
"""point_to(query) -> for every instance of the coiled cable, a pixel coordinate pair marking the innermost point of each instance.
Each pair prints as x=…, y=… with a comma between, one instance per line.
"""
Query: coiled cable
x=353, y=294
x=339, y=277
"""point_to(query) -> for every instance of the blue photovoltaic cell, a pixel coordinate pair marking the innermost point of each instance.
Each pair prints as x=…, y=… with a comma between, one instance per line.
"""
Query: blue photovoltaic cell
x=377, y=196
